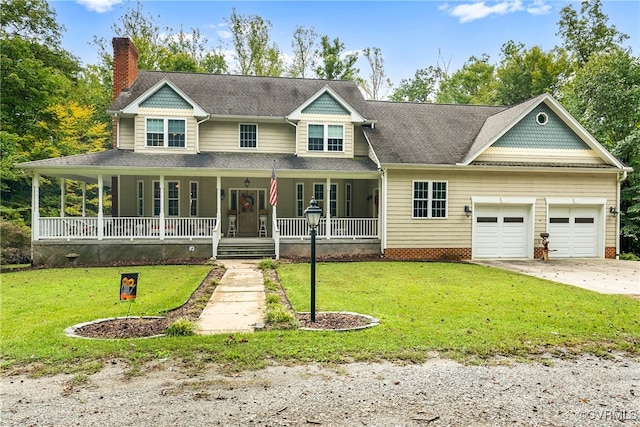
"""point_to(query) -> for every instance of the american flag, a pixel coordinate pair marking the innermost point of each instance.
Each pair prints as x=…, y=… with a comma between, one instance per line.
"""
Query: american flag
x=273, y=190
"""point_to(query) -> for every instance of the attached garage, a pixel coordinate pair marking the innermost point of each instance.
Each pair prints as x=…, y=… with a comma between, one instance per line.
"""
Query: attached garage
x=575, y=231
x=502, y=231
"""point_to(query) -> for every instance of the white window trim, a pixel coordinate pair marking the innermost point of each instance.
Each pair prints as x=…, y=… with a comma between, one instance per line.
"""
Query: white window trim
x=336, y=198
x=191, y=198
x=240, y=135
x=325, y=137
x=430, y=199
x=165, y=121
x=140, y=197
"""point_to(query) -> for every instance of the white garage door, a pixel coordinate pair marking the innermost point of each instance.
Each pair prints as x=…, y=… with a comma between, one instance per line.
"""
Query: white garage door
x=573, y=231
x=500, y=231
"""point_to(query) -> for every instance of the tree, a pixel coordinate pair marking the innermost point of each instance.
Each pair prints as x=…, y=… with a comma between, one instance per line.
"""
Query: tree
x=302, y=46
x=332, y=66
x=36, y=75
x=378, y=78
x=421, y=88
x=255, y=54
x=474, y=83
x=526, y=73
x=588, y=33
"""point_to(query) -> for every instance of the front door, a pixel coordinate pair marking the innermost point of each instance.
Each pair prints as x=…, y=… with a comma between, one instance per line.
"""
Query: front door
x=247, y=213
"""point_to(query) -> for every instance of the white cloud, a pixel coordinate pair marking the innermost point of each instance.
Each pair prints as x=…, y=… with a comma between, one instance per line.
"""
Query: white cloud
x=224, y=34
x=471, y=11
x=539, y=7
x=99, y=6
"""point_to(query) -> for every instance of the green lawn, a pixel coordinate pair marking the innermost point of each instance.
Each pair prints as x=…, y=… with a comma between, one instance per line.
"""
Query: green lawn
x=467, y=312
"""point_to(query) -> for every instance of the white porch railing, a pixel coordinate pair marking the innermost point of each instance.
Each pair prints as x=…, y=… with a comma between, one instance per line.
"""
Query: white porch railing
x=123, y=227
x=341, y=228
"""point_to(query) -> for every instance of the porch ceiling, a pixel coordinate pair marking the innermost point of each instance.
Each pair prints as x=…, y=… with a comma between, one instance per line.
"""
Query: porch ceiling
x=126, y=162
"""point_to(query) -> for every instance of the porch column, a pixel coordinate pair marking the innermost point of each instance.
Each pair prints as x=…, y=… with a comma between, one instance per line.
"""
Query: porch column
x=84, y=199
x=161, y=207
x=218, y=200
x=63, y=185
x=100, y=204
x=35, y=207
x=328, y=208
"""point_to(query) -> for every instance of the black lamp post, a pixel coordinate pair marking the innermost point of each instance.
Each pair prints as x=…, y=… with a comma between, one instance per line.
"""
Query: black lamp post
x=313, y=213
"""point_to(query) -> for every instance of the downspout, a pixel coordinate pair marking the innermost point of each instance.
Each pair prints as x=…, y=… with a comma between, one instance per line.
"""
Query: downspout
x=198, y=132
x=624, y=177
x=295, y=126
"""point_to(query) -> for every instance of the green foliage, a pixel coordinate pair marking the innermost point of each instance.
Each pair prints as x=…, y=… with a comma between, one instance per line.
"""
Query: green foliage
x=474, y=83
x=526, y=73
x=255, y=53
x=377, y=78
x=181, y=328
x=16, y=243
x=587, y=33
x=302, y=46
x=629, y=257
x=331, y=66
x=421, y=88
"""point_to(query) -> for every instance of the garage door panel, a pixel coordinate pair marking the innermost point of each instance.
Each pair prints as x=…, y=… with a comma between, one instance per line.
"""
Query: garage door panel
x=573, y=231
x=500, y=232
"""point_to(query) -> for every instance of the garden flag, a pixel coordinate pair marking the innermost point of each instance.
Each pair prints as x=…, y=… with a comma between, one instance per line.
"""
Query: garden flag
x=273, y=190
x=128, y=286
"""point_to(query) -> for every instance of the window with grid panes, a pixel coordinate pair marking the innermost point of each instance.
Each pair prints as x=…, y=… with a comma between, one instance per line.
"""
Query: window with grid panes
x=316, y=138
x=429, y=199
x=248, y=136
x=173, y=198
x=166, y=133
x=176, y=136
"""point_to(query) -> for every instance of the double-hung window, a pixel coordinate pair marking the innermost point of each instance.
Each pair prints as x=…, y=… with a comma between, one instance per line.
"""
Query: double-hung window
x=173, y=198
x=248, y=135
x=429, y=199
x=325, y=137
x=166, y=133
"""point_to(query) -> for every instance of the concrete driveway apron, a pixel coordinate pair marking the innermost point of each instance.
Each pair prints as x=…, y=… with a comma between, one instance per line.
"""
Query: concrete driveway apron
x=607, y=276
x=237, y=304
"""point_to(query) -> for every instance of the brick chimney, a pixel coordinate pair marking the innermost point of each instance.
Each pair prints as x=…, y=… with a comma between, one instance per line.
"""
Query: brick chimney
x=125, y=64
x=125, y=72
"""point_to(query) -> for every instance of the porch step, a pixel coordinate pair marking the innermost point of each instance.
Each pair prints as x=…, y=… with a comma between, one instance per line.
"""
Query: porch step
x=246, y=247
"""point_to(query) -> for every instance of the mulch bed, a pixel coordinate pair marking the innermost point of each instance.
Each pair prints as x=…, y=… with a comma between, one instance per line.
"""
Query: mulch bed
x=332, y=321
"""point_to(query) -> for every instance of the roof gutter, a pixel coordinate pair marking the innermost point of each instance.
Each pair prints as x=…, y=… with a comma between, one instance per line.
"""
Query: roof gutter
x=295, y=125
x=198, y=132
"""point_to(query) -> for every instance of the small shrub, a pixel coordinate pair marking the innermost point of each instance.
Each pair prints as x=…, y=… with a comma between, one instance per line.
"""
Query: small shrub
x=16, y=243
x=273, y=299
x=181, y=328
x=629, y=257
x=267, y=264
x=279, y=317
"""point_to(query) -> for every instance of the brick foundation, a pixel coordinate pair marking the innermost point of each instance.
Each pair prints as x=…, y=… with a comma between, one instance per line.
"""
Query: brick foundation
x=610, y=253
x=414, y=254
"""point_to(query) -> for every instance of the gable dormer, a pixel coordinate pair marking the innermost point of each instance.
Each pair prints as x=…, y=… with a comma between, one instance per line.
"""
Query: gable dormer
x=163, y=119
x=326, y=125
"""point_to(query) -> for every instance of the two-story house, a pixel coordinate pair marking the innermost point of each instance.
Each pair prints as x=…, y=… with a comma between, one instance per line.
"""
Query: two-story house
x=194, y=155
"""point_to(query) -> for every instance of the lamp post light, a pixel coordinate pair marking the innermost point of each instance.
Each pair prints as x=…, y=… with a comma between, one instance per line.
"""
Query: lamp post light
x=313, y=213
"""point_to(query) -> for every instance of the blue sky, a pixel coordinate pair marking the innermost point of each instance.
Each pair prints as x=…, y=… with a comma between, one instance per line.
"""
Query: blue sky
x=411, y=34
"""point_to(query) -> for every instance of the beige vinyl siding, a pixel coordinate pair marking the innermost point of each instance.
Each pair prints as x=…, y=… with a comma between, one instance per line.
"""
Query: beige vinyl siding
x=348, y=143
x=126, y=133
x=360, y=145
x=129, y=196
x=532, y=155
x=224, y=136
x=140, y=130
x=403, y=231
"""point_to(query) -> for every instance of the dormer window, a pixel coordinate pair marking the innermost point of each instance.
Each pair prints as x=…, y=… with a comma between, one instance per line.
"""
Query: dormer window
x=248, y=135
x=325, y=137
x=166, y=133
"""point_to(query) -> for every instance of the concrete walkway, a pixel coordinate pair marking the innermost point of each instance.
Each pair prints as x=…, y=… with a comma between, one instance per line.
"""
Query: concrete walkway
x=238, y=302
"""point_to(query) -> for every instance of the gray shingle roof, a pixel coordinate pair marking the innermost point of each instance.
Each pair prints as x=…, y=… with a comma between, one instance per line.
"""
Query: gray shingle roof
x=244, y=95
x=215, y=161
x=429, y=134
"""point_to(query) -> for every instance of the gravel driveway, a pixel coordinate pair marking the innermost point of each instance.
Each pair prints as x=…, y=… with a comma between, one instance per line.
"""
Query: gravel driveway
x=586, y=391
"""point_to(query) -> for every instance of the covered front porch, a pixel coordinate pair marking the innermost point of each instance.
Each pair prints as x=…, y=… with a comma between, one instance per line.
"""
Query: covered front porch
x=241, y=212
